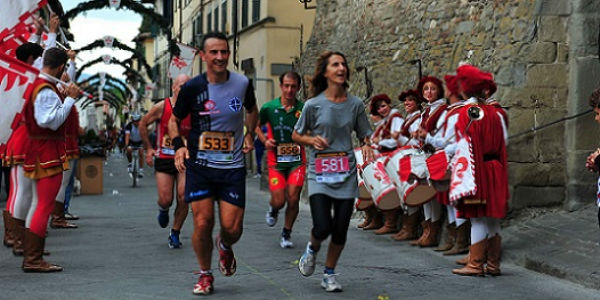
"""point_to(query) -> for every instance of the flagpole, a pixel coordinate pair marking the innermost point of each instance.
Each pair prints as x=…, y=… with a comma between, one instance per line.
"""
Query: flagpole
x=61, y=45
x=62, y=33
x=90, y=96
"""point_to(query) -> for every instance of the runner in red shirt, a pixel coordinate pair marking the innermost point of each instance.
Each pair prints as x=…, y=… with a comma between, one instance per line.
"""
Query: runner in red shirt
x=163, y=159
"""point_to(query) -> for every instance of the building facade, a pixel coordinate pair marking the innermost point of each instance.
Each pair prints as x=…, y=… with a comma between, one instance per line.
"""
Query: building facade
x=271, y=35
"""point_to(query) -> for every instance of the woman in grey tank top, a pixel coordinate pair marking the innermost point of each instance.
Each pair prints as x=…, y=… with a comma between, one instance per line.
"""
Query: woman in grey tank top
x=325, y=127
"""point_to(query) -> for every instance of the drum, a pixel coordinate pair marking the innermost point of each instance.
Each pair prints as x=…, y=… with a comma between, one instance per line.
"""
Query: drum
x=379, y=183
x=408, y=169
x=363, y=191
x=439, y=171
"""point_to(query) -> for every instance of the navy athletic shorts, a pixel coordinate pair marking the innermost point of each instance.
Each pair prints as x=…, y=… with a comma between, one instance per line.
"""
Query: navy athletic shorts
x=228, y=185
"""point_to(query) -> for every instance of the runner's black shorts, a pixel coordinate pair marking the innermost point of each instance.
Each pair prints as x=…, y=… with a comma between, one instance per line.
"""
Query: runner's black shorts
x=228, y=185
x=136, y=144
x=165, y=165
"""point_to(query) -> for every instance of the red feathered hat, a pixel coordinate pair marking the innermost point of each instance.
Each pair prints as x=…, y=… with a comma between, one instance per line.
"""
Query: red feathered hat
x=435, y=81
x=376, y=100
x=471, y=79
x=452, y=84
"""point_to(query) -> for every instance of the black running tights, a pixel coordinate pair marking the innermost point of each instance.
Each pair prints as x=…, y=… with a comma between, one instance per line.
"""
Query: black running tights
x=324, y=223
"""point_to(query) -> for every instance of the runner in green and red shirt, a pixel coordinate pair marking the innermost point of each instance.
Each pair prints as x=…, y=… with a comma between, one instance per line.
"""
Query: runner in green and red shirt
x=285, y=158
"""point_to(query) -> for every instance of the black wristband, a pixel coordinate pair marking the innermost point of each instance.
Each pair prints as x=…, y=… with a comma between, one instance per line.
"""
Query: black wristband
x=177, y=142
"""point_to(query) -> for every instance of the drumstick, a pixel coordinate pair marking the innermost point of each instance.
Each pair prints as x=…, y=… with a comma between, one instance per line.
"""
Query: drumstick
x=90, y=96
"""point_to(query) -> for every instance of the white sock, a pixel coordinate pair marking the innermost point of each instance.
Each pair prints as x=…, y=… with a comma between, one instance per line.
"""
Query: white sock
x=411, y=210
x=478, y=230
x=451, y=214
x=427, y=210
x=460, y=221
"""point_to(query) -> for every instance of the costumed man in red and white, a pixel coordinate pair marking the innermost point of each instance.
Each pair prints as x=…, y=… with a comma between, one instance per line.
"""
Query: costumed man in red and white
x=431, y=89
x=479, y=187
x=385, y=139
x=72, y=133
x=45, y=111
x=20, y=195
x=412, y=105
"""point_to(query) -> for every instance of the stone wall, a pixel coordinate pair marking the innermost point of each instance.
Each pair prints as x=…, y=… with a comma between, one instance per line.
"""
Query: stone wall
x=543, y=54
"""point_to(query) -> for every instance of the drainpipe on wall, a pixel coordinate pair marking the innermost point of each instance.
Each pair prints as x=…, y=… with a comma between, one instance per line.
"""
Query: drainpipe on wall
x=234, y=23
x=180, y=20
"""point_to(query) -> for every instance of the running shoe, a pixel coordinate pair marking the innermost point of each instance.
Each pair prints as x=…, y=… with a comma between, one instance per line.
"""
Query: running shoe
x=306, y=265
x=330, y=284
x=271, y=217
x=204, y=285
x=174, y=241
x=163, y=218
x=285, y=242
x=70, y=217
x=227, y=263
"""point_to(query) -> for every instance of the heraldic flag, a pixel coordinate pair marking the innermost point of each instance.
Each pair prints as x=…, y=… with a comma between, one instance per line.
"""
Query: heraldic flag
x=15, y=12
x=15, y=78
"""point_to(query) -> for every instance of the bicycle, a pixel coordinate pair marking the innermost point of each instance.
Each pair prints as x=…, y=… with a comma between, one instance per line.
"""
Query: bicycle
x=134, y=164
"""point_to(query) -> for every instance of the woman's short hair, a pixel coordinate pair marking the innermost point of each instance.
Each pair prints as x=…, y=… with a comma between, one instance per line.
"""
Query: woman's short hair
x=376, y=100
x=433, y=80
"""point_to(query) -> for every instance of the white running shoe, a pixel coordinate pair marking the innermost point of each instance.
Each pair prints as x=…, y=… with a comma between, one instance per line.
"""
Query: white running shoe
x=306, y=265
x=285, y=243
x=330, y=284
x=271, y=217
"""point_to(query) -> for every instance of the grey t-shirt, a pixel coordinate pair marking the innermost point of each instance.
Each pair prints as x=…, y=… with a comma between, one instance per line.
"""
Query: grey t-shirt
x=217, y=134
x=333, y=170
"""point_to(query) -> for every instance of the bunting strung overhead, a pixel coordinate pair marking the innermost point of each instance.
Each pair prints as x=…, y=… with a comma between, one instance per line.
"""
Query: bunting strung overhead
x=106, y=58
x=114, y=3
x=108, y=41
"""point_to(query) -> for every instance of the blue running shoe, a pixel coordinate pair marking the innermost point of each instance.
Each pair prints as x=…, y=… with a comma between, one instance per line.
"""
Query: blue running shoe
x=163, y=218
x=174, y=239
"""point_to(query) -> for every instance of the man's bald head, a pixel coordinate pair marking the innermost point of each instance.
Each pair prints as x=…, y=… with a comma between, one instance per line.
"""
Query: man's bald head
x=177, y=83
x=180, y=80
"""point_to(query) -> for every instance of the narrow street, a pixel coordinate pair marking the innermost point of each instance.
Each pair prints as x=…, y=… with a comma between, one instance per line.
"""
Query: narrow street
x=120, y=252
